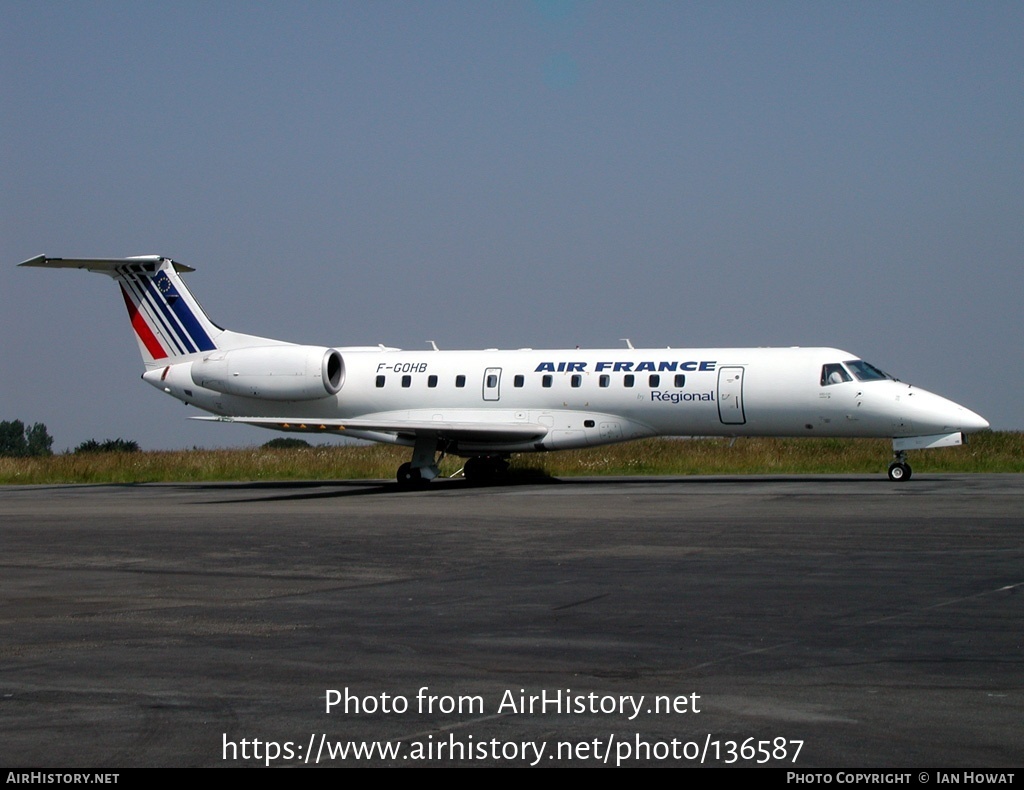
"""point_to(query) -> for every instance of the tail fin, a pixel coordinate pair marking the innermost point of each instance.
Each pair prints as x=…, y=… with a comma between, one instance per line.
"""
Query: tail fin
x=167, y=319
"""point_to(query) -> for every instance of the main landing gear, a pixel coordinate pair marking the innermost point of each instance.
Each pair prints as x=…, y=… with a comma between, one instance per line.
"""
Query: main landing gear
x=485, y=468
x=478, y=469
x=424, y=465
x=408, y=477
x=899, y=470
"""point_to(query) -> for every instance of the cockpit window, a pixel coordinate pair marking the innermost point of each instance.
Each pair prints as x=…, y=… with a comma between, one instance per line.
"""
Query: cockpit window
x=865, y=372
x=834, y=373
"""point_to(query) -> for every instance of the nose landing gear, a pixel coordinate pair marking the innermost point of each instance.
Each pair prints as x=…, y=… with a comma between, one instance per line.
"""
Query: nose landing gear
x=899, y=470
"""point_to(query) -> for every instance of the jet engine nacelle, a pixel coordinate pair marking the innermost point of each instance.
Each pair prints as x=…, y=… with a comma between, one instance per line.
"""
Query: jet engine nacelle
x=284, y=373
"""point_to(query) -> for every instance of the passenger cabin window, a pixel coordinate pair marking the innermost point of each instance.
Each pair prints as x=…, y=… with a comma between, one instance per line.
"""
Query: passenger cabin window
x=833, y=373
x=492, y=381
x=406, y=381
x=605, y=380
x=460, y=381
x=431, y=381
x=654, y=380
x=628, y=380
x=519, y=380
x=680, y=379
x=546, y=381
x=380, y=382
x=576, y=380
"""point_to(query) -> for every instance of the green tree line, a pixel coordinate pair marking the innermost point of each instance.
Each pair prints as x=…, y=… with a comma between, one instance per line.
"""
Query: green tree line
x=19, y=441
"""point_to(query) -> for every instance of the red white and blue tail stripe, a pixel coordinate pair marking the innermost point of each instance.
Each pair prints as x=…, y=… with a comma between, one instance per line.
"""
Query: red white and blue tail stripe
x=167, y=320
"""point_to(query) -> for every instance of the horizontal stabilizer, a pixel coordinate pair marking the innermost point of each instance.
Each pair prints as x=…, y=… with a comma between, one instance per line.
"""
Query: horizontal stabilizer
x=99, y=264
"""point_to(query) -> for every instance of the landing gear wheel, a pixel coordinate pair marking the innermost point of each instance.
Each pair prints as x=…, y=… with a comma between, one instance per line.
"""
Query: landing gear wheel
x=409, y=477
x=899, y=471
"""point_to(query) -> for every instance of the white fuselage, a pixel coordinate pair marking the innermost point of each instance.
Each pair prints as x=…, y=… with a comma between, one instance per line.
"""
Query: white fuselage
x=588, y=397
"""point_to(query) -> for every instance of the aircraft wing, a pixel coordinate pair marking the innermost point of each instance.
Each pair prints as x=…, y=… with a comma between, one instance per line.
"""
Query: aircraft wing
x=442, y=429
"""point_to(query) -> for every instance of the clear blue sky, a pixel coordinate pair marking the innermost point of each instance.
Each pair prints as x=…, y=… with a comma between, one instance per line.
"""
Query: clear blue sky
x=537, y=174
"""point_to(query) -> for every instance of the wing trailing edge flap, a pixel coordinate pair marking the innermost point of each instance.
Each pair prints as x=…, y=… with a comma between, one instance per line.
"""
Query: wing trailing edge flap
x=476, y=431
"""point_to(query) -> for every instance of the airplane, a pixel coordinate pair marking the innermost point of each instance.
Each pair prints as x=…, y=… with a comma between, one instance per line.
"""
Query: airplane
x=486, y=405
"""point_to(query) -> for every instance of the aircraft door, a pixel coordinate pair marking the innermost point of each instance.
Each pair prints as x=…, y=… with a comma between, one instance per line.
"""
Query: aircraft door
x=730, y=395
x=492, y=383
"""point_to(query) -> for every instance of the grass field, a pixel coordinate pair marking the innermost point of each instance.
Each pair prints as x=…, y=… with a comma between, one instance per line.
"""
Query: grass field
x=986, y=452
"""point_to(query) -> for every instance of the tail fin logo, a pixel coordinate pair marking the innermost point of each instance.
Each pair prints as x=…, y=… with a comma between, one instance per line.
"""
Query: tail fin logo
x=161, y=315
x=166, y=287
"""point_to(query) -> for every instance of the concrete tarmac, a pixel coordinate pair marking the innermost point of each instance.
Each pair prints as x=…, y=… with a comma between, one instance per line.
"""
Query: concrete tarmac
x=815, y=622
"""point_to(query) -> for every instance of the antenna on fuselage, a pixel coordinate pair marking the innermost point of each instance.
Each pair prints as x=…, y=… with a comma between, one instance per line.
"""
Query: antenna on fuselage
x=629, y=343
x=433, y=345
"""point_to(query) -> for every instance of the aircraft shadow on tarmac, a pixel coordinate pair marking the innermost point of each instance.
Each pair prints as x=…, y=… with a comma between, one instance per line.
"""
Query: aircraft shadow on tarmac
x=300, y=489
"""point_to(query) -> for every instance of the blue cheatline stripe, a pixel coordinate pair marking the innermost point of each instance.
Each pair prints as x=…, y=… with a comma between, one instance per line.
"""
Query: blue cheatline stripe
x=133, y=281
x=155, y=298
x=188, y=318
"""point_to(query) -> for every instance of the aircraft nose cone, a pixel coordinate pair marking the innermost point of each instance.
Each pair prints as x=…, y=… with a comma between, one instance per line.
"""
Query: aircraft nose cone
x=971, y=422
x=932, y=413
